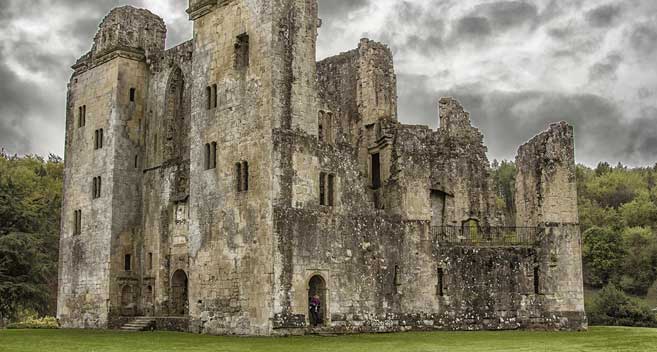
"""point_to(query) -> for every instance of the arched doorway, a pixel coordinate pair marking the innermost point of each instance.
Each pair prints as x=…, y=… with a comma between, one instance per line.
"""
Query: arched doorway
x=179, y=294
x=317, y=287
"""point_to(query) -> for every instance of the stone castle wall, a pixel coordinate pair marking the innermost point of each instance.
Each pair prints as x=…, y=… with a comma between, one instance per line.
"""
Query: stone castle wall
x=239, y=176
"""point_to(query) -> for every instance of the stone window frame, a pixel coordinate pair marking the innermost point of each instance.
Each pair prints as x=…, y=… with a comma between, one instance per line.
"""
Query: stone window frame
x=127, y=262
x=77, y=222
x=98, y=139
x=327, y=189
x=242, y=176
x=97, y=187
x=242, y=52
x=82, y=116
x=210, y=156
x=440, y=285
x=133, y=94
x=537, y=280
x=325, y=127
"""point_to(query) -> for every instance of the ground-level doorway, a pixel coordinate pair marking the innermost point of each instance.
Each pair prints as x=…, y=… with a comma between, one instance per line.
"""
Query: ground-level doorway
x=179, y=294
x=317, y=291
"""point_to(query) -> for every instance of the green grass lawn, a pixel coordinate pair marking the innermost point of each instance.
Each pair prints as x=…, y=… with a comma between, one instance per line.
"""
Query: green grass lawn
x=597, y=339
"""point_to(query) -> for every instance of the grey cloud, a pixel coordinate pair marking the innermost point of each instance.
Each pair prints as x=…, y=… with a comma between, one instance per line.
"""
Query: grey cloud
x=643, y=38
x=604, y=16
x=606, y=69
x=507, y=14
x=339, y=8
x=473, y=28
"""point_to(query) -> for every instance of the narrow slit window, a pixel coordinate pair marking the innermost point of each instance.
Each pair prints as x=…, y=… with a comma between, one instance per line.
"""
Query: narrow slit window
x=238, y=174
x=77, y=222
x=213, y=151
x=127, y=262
x=322, y=188
x=95, y=187
x=441, y=282
x=133, y=94
x=376, y=171
x=397, y=278
x=331, y=190
x=207, y=156
x=150, y=261
x=208, y=97
x=214, y=95
x=245, y=172
x=136, y=161
x=537, y=281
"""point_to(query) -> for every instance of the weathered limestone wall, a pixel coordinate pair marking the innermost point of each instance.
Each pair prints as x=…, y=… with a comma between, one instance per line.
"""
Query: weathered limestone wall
x=546, y=195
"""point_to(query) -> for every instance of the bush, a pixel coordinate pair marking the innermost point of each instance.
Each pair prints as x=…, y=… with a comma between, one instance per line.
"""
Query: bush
x=36, y=323
x=612, y=307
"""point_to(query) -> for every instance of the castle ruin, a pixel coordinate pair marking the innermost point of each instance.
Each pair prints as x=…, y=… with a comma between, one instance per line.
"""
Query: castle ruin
x=215, y=186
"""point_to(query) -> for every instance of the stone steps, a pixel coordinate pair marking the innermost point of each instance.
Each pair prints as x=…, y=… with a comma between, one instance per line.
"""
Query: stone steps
x=139, y=324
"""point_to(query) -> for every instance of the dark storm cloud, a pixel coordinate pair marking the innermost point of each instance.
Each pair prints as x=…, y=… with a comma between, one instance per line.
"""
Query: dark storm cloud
x=338, y=9
x=604, y=16
x=507, y=119
x=473, y=28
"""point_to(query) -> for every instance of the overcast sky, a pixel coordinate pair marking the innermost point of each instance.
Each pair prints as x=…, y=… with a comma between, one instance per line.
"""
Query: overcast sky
x=515, y=65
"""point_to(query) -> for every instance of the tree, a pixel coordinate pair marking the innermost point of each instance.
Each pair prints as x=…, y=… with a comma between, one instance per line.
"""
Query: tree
x=640, y=263
x=23, y=275
x=603, y=254
x=641, y=211
x=614, y=308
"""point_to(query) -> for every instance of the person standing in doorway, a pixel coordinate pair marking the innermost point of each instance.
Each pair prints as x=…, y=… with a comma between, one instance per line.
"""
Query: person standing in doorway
x=315, y=305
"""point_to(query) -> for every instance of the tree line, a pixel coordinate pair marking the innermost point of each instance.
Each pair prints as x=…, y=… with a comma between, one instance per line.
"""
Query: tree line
x=618, y=217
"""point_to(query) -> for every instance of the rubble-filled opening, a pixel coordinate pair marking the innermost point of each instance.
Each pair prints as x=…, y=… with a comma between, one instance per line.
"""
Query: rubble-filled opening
x=317, y=290
x=127, y=296
x=179, y=291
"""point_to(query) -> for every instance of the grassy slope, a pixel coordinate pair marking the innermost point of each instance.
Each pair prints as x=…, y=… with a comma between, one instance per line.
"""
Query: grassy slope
x=598, y=339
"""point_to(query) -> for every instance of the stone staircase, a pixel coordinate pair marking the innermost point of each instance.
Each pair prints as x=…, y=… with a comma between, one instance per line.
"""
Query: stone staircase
x=139, y=324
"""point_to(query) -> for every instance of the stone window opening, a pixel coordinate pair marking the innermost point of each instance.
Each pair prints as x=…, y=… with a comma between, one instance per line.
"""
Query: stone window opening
x=208, y=98
x=242, y=52
x=77, y=223
x=214, y=96
x=155, y=147
x=537, y=281
x=98, y=134
x=82, y=116
x=320, y=132
x=136, y=161
x=441, y=282
x=376, y=171
x=97, y=187
x=149, y=294
x=326, y=189
x=127, y=262
x=150, y=261
x=133, y=94
x=438, y=208
x=211, y=156
x=397, y=278
x=470, y=229
x=242, y=176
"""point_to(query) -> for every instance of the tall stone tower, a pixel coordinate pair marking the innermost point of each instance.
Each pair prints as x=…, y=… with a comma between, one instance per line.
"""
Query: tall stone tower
x=546, y=196
x=102, y=203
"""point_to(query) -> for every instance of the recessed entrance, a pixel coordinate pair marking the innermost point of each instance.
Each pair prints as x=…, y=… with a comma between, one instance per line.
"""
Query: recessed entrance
x=317, y=290
x=179, y=294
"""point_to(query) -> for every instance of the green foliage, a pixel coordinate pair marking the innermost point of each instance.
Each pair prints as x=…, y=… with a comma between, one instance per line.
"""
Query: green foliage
x=33, y=322
x=616, y=187
x=504, y=176
x=612, y=307
x=603, y=254
x=642, y=211
x=30, y=203
x=640, y=263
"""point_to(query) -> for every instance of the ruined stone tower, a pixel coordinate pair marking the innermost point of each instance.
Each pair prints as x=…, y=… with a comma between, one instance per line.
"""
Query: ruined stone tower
x=215, y=186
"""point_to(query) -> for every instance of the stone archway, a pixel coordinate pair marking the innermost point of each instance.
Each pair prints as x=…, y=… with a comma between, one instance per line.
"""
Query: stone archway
x=317, y=286
x=179, y=294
